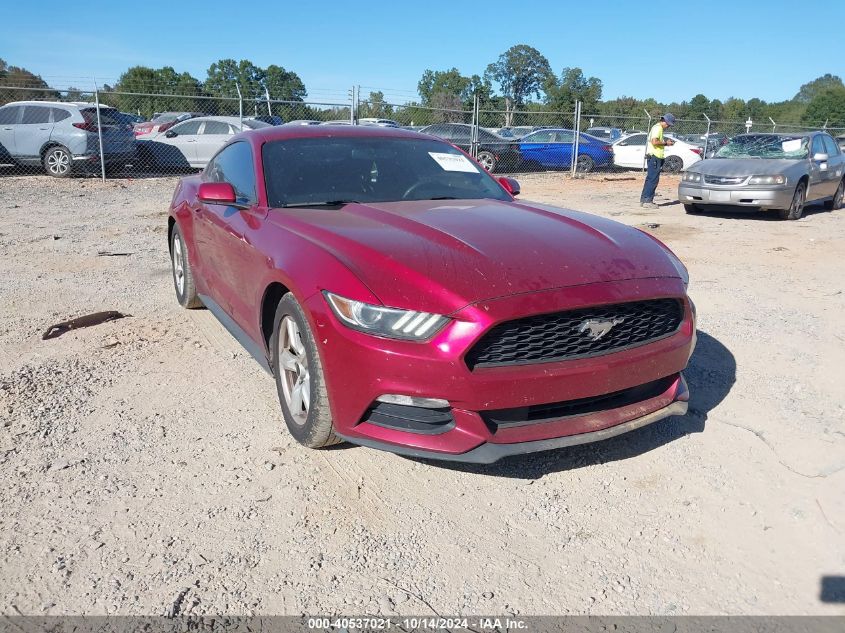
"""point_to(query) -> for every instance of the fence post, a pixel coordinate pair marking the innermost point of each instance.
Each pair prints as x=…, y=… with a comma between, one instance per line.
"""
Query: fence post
x=774, y=125
x=269, y=107
x=577, y=138
x=240, y=105
x=99, y=131
x=473, y=130
x=706, y=135
x=648, y=131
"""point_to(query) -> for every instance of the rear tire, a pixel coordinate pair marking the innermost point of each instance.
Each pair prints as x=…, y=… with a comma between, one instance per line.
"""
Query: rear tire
x=796, y=208
x=836, y=202
x=58, y=162
x=487, y=160
x=673, y=164
x=584, y=164
x=299, y=377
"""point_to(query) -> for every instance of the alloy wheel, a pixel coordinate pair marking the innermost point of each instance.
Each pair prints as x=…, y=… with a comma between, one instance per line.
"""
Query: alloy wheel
x=296, y=376
x=797, y=203
x=58, y=162
x=178, y=265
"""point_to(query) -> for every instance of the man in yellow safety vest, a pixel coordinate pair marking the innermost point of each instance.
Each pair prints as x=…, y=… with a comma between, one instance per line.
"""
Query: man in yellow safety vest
x=655, y=151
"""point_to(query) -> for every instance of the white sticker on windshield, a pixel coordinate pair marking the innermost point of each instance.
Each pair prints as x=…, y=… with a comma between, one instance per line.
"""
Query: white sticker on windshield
x=793, y=145
x=454, y=162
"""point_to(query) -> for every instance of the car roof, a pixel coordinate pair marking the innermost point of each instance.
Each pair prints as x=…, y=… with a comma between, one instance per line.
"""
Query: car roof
x=53, y=104
x=282, y=132
x=224, y=119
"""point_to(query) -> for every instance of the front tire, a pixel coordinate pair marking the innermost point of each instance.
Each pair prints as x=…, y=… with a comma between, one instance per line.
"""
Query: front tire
x=796, y=208
x=183, y=276
x=58, y=162
x=299, y=377
x=692, y=208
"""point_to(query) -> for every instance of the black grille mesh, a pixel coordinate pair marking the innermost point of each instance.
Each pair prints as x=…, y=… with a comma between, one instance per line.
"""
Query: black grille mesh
x=559, y=336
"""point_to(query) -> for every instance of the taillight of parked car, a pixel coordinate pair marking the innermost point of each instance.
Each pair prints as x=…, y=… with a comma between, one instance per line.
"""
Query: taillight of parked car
x=88, y=126
x=696, y=150
x=142, y=128
x=607, y=148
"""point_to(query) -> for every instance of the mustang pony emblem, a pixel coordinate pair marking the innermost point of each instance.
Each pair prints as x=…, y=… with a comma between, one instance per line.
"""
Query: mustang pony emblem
x=598, y=328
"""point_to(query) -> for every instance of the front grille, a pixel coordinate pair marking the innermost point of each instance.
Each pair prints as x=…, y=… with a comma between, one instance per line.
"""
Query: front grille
x=573, y=334
x=724, y=180
x=539, y=413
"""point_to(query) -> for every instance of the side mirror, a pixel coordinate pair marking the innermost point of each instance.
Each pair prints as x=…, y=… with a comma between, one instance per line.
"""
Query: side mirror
x=510, y=185
x=216, y=193
x=171, y=134
x=820, y=157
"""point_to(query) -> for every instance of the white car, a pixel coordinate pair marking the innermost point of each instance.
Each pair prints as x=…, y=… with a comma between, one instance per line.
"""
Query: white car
x=192, y=143
x=629, y=151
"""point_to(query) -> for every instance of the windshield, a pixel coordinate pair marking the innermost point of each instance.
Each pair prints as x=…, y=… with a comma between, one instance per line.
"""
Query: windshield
x=765, y=146
x=304, y=171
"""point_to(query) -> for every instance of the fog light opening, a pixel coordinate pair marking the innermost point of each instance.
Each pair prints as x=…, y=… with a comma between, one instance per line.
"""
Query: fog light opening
x=413, y=401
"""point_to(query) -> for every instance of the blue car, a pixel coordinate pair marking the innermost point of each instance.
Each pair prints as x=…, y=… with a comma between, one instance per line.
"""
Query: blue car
x=552, y=149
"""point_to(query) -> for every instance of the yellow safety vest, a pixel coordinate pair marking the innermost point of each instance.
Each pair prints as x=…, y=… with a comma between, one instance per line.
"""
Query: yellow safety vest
x=656, y=134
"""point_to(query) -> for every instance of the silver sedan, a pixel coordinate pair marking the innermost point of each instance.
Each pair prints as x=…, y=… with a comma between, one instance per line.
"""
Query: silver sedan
x=780, y=172
x=194, y=142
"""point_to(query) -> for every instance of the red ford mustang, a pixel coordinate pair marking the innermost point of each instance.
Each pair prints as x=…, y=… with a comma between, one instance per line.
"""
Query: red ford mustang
x=403, y=300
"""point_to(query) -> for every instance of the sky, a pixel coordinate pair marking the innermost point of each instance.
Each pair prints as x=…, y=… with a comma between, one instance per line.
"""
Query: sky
x=667, y=50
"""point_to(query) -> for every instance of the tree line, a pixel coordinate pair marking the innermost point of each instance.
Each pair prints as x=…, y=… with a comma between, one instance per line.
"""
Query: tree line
x=521, y=80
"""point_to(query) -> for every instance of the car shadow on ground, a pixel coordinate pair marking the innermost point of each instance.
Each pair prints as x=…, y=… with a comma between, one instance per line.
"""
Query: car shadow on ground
x=744, y=213
x=711, y=375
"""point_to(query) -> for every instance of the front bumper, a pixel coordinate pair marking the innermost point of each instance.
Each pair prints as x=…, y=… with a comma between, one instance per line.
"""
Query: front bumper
x=359, y=368
x=775, y=198
x=489, y=452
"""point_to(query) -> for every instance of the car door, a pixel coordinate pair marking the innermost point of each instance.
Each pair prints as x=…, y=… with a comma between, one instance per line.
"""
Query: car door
x=560, y=153
x=33, y=131
x=212, y=137
x=9, y=117
x=819, y=172
x=228, y=236
x=178, y=144
x=630, y=151
x=835, y=167
x=536, y=147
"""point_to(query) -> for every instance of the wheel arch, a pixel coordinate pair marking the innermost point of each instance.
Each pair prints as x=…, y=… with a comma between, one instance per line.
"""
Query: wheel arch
x=273, y=294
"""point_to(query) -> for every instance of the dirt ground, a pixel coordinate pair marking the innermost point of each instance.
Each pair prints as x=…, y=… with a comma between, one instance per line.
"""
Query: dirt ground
x=145, y=468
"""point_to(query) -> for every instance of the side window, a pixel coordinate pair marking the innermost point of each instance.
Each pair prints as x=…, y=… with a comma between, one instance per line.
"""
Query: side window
x=216, y=127
x=33, y=115
x=539, y=137
x=566, y=136
x=584, y=140
x=636, y=139
x=188, y=127
x=234, y=165
x=818, y=145
x=59, y=114
x=9, y=115
x=830, y=145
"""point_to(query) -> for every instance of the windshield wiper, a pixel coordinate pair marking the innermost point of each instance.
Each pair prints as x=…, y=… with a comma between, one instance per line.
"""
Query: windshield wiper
x=442, y=198
x=326, y=203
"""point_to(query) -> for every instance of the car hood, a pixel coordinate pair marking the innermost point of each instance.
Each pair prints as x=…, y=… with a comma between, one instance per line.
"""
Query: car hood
x=744, y=166
x=440, y=256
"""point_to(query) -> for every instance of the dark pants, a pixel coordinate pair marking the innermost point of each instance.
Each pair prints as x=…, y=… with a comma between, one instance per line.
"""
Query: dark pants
x=652, y=178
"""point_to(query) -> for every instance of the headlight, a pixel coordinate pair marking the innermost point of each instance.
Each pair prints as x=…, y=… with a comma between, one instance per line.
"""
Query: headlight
x=690, y=176
x=408, y=325
x=767, y=180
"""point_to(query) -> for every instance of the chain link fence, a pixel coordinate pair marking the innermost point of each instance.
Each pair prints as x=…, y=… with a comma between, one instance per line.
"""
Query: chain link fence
x=140, y=134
